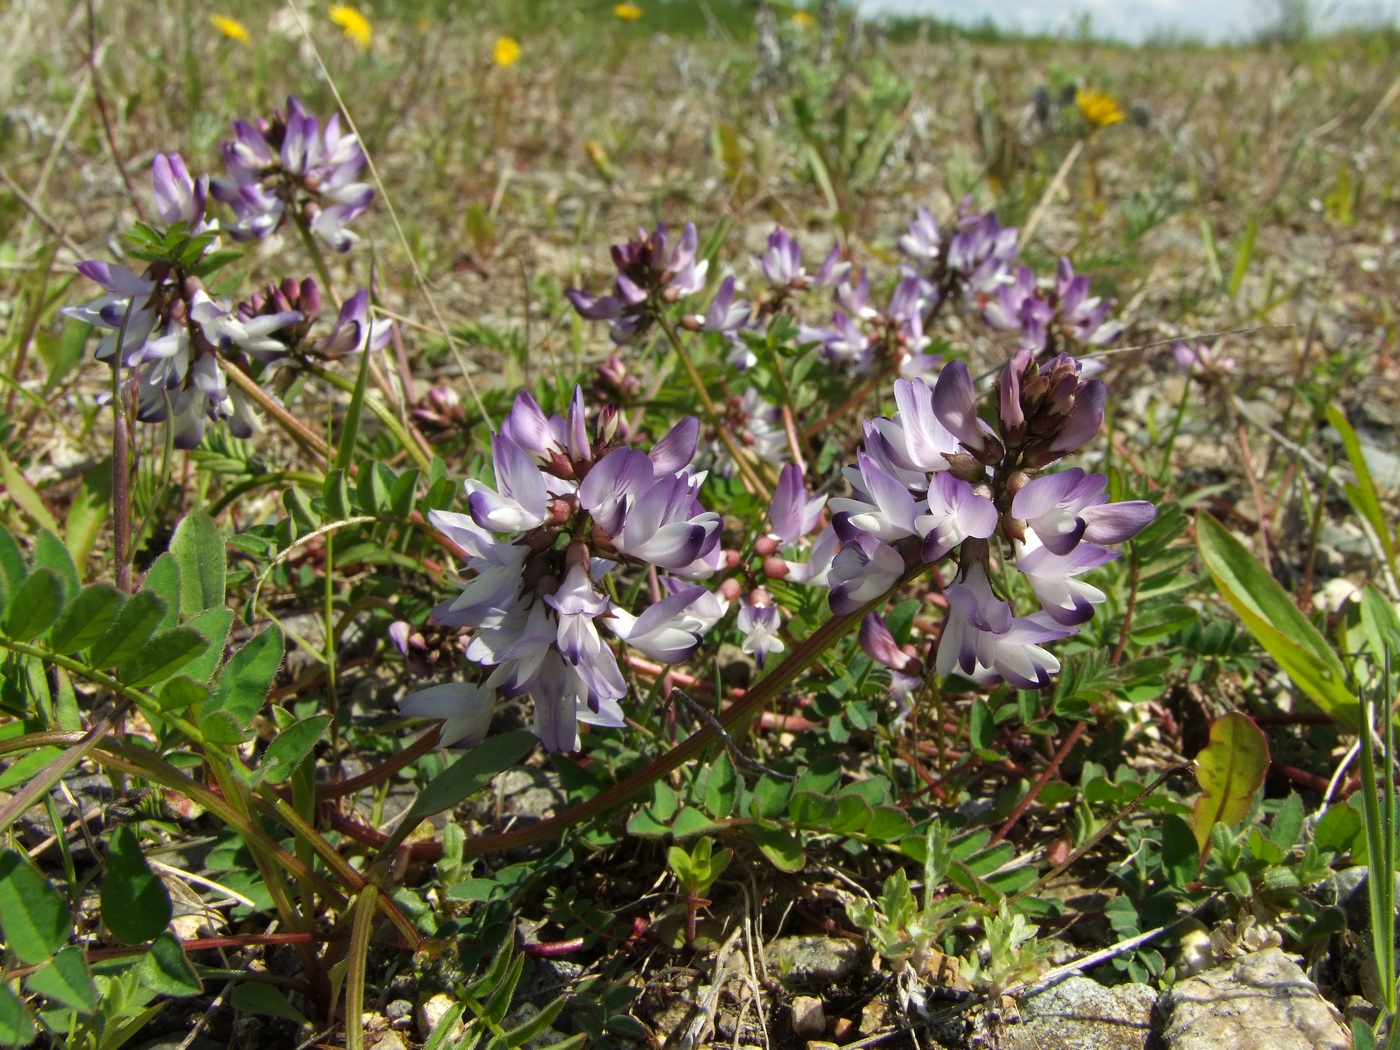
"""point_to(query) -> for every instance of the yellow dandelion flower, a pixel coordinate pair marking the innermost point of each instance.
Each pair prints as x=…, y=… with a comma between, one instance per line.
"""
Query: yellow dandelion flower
x=231, y=28
x=1098, y=108
x=628, y=12
x=355, y=25
x=506, y=51
x=804, y=19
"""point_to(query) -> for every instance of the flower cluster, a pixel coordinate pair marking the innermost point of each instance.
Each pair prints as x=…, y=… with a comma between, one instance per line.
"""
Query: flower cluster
x=1201, y=362
x=653, y=272
x=566, y=511
x=1065, y=312
x=291, y=165
x=165, y=327
x=969, y=261
x=936, y=478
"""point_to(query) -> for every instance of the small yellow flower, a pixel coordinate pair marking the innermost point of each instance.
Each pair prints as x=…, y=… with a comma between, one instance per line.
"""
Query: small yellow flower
x=506, y=52
x=356, y=25
x=804, y=19
x=1098, y=108
x=231, y=28
x=628, y=12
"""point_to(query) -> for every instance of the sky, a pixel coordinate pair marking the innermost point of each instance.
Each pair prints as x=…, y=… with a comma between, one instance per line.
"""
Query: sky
x=1212, y=20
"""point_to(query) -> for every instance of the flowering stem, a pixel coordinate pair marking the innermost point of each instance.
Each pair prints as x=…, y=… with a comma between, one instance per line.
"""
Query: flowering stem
x=308, y=439
x=334, y=862
x=1045, y=774
x=234, y=789
x=1172, y=434
x=318, y=258
x=382, y=411
x=734, y=720
x=751, y=479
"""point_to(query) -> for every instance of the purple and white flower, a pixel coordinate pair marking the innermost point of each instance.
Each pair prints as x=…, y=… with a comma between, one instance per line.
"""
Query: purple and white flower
x=792, y=514
x=563, y=513
x=1069, y=506
x=863, y=570
x=1065, y=599
x=985, y=643
x=955, y=405
x=179, y=198
x=924, y=242
x=290, y=164
x=1080, y=316
x=781, y=262
x=760, y=624
x=652, y=272
x=954, y=513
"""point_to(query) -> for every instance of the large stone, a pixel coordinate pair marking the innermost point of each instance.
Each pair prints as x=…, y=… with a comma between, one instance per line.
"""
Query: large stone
x=812, y=960
x=1081, y=1014
x=1261, y=1001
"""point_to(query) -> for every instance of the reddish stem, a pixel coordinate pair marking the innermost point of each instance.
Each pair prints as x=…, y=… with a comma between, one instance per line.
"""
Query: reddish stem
x=1302, y=777
x=1049, y=771
x=551, y=949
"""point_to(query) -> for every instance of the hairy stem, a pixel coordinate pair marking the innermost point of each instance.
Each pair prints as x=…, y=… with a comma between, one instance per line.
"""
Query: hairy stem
x=740, y=456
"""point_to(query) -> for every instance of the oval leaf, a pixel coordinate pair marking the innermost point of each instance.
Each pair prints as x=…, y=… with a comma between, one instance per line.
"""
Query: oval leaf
x=133, y=627
x=16, y=1026
x=162, y=656
x=49, y=552
x=289, y=748
x=66, y=980
x=242, y=688
x=1229, y=769
x=35, y=605
x=199, y=548
x=34, y=918
x=782, y=848
x=166, y=970
x=213, y=624
x=722, y=787
x=163, y=579
x=85, y=618
x=135, y=904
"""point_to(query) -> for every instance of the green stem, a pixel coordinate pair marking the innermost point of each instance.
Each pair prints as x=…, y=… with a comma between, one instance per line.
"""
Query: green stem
x=38, y=787
x=280, y=478
x=332, y=685
x=235, y=791
x=318, y=258
x=734, y=721
x=308, y=439
x=1177, y=420
x=338, y=865
x=360, y=929
x=746, y=470
x=383, y=411
x=145, y=703
x=140, y=763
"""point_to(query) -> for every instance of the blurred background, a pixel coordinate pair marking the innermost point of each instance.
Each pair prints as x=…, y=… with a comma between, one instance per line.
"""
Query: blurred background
x=1147, y=21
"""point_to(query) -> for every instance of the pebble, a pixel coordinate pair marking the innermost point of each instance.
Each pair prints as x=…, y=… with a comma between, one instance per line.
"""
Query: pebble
x=1260, y=1001
x=808, y=1016
x=432, y=1012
